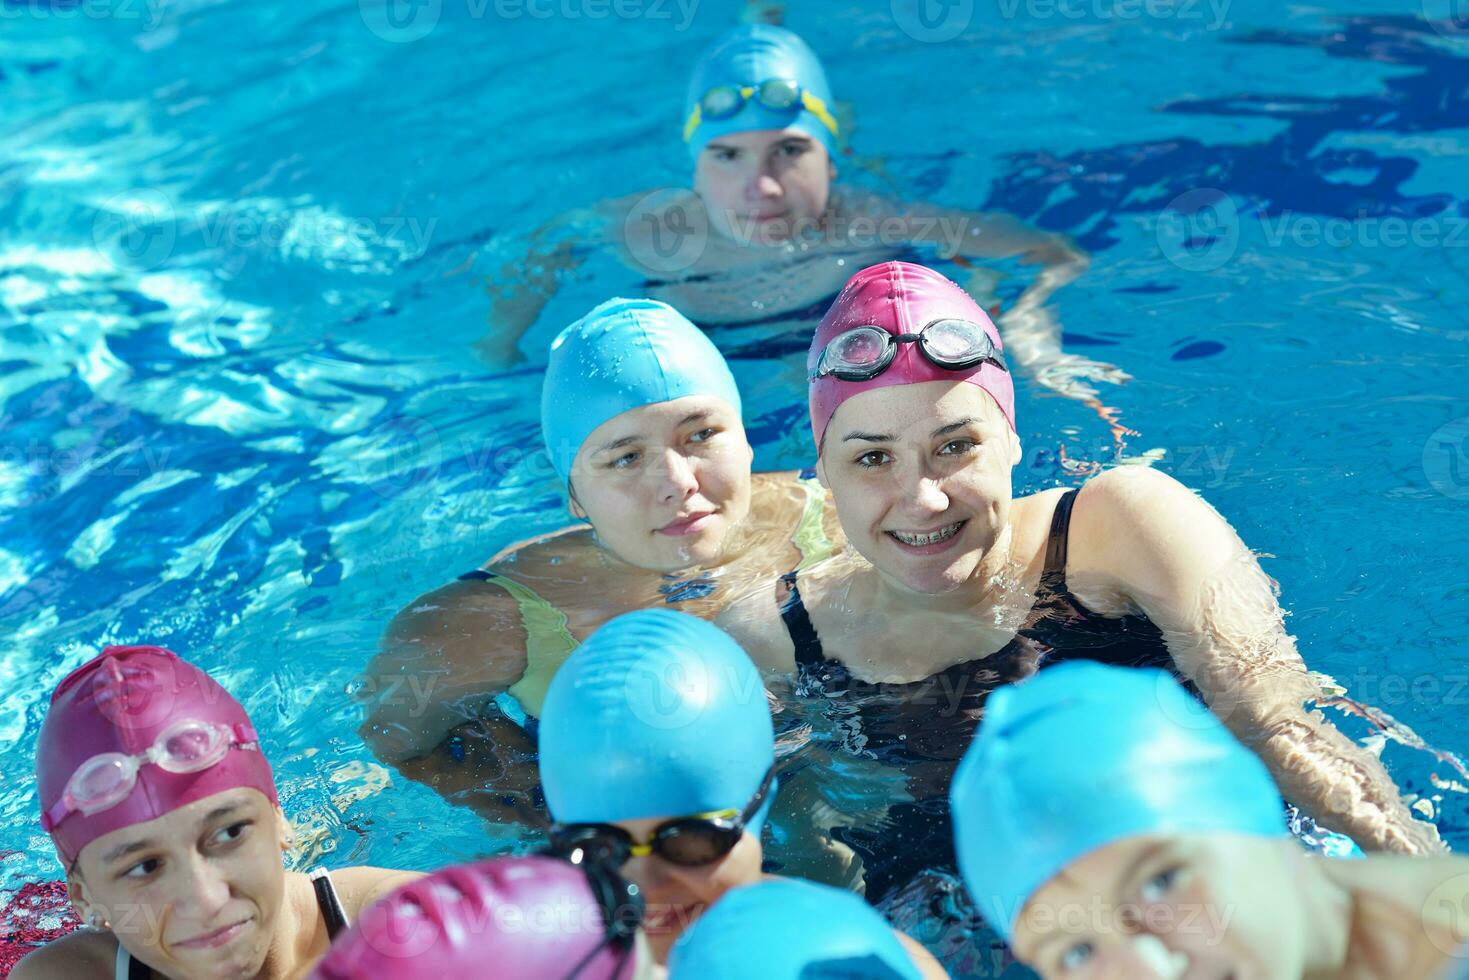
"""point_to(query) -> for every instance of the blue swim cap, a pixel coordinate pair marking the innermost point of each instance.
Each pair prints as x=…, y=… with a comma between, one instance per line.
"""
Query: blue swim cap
x=657, y=714
x=625, y=354
x=745, y=57
x=791, y=930
x=1082, y=755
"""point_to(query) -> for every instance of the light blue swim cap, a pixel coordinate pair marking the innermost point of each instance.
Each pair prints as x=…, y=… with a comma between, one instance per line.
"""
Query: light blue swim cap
x=625, y=354
x=657, y=714
x=1082, y=755
x=745, y=57
x=791, y=930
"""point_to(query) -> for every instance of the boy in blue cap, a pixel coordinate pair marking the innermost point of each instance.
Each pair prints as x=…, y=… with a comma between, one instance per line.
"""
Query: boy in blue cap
x=765, y=239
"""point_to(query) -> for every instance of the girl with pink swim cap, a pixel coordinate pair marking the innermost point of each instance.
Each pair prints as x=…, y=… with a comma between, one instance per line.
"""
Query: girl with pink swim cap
x=953, y=586
x=164, y=811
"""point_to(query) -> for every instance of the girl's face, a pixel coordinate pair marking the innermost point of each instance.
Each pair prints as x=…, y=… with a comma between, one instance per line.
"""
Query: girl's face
x=921, y=478
x=1219, y=906
x=195, y=893
x=677, y=895
x=662, y=485
x=765, y=186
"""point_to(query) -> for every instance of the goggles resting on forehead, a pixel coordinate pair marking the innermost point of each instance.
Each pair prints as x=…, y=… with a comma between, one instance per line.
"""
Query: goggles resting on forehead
x=775, y=94
x=864, y=352
x=105, y=780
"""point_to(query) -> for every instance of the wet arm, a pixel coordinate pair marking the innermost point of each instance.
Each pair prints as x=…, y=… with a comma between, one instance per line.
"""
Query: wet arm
x=1178, y=561
x=441, y=659
x=519, y=290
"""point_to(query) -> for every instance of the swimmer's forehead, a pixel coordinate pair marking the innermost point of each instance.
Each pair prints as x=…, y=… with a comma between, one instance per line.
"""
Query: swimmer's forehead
x=175, y=827
x=929, y=408
x=651, y=423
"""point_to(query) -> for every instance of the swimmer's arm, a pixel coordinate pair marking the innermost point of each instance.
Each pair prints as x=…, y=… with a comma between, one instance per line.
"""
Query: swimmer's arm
x=441, y=658
x=929, y=967
x=80, y=955
x=521, y=289
x=1176, y=559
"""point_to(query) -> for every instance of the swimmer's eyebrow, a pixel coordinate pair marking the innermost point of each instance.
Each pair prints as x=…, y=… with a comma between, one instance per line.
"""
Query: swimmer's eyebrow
x=1146, y=855
x=629, y=440
x=866, y=437
x=123, y=850
x=953, y=427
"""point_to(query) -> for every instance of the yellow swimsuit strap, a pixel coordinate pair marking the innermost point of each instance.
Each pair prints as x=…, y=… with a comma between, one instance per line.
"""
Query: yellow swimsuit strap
x=548, y=642
x=809, y=536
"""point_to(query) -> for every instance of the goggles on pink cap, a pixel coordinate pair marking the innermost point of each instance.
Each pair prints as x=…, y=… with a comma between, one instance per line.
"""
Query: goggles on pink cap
x=133, y=734
x=105, y=780
x=862, y=353
x=899, y=324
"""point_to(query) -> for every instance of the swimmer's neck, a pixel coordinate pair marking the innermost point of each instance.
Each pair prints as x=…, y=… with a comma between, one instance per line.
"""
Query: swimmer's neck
x=300, y=934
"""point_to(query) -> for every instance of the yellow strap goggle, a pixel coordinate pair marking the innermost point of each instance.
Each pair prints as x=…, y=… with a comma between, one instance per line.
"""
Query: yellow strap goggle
x=776, y=94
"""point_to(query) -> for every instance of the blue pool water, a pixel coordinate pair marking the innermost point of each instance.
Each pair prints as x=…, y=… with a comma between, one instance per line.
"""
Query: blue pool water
x=244, y=251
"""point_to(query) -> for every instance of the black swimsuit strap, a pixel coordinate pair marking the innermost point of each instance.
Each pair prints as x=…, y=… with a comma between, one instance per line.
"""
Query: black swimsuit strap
x=1053, y=578
x=138, y=970
x=478, y=575
x=332, y=912
x=799, y=626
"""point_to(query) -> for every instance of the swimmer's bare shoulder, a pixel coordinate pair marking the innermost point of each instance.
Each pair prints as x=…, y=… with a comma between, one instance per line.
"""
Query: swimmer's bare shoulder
x=78, y=955
x=1397, y=896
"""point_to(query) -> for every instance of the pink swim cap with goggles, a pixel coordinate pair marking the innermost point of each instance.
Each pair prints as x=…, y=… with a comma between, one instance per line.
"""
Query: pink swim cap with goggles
x=136, y=733
x=941, y=335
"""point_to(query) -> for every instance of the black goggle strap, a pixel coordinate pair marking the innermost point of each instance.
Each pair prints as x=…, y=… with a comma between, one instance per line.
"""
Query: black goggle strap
x=758, y=800
x=614, y=894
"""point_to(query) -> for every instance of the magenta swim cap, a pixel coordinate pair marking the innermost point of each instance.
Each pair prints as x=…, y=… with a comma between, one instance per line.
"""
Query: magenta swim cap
x=525, y=918
x=120, y=701
x=901, y=298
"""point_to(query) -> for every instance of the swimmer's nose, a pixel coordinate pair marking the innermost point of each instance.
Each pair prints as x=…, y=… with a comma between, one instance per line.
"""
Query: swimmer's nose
x=924, y=495
x=677, y=478
x=764, y=187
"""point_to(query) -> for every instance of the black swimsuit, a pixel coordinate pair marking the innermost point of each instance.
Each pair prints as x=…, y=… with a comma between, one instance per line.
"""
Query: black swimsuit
x=913, y=726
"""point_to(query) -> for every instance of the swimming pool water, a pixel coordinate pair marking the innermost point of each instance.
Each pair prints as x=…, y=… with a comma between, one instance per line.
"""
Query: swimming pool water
x=244, y=250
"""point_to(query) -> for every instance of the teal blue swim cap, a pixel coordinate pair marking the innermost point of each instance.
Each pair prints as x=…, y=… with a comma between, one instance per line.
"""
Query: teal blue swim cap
x=625, y=354
x=791, y=930
x=745, y=57
x=1083, y=755
x=657, y=714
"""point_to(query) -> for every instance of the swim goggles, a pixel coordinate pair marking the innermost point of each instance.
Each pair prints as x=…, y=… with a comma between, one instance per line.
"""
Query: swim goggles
x=686, y=841
x=105, y=780
x=621, y=904
x=862, y=353
x=776, y=94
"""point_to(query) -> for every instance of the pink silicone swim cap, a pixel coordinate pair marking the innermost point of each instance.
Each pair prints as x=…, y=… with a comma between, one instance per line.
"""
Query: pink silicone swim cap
x=901, y=298
x=120, y=701
x=526, y=918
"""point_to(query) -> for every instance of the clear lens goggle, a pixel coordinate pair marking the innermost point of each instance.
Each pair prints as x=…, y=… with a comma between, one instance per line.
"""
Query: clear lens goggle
x=775, y=94
x=862, y=353
x=105, y=780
